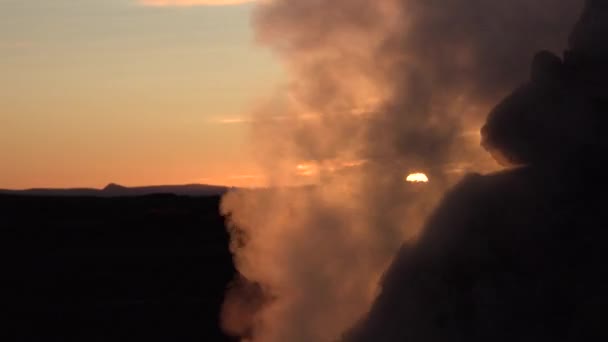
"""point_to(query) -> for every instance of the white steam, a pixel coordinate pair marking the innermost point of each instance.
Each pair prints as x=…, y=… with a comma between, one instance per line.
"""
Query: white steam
x=378, y=89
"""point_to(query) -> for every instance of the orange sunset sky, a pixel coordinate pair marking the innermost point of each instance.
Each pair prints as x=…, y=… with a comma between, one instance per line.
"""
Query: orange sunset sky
x=127, y=91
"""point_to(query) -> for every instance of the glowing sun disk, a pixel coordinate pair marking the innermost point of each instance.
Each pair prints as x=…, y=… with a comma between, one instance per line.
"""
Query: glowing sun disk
x=417, y=178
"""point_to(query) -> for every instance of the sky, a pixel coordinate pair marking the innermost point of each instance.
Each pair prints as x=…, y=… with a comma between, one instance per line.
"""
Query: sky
x=128, y=91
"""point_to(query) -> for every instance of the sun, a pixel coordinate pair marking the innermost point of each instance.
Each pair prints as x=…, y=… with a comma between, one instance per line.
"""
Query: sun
x=417, y=178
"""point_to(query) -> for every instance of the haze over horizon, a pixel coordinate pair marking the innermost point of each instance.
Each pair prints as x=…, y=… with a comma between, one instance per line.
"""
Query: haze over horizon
x=129, y=92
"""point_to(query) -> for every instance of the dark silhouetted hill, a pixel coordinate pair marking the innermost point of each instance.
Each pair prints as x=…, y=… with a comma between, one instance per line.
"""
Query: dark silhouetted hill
x=138, y=268
x=513, y=256
x=115, y=190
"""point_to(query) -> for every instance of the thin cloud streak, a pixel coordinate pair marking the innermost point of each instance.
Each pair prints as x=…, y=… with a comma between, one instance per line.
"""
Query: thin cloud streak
x=231, y=121
x=191, y=3
x=248, y=120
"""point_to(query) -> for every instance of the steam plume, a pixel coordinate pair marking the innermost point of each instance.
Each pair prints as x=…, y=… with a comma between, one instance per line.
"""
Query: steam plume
x=377, y=88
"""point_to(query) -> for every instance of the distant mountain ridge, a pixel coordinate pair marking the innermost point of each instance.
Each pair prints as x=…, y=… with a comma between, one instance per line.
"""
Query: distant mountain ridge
x=116, y=190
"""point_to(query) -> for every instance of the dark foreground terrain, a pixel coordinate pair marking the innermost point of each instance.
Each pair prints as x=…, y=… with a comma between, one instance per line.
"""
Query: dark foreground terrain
x=150, y=268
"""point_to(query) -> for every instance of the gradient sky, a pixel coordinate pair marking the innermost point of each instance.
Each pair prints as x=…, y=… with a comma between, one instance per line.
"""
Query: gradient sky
x=127, y=91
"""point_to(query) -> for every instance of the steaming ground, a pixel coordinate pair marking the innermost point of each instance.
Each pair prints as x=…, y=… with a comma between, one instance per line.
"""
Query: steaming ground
x=378, y=89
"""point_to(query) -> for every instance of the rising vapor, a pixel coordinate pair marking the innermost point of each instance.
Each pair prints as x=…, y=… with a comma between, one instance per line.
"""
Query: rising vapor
x=377, y=89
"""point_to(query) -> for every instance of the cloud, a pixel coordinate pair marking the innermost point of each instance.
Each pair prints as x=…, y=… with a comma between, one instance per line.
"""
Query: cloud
x=16, y=45
x=230, y=121
x=250, y=120
x=190, y=3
